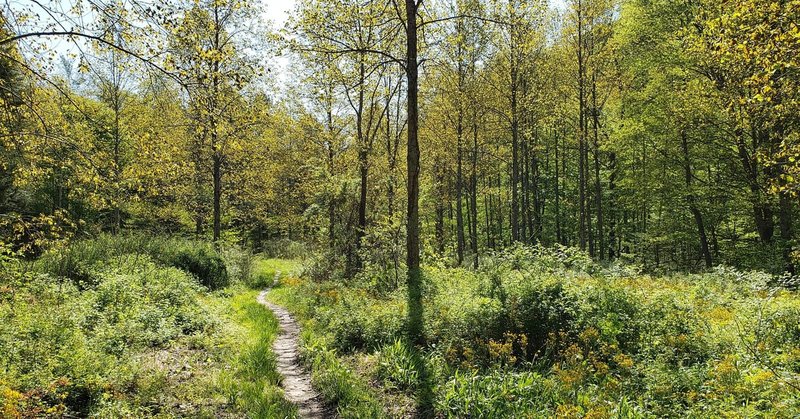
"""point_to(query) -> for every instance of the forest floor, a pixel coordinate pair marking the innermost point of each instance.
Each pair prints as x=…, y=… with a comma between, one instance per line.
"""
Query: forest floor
x=296, y=379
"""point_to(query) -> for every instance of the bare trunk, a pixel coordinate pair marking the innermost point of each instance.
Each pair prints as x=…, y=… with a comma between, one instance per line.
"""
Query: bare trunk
x=598, y=192
x=217, y=193
x=414, y=280
x=691, y=200
x=581, y=134
x=460, y=242
x=473, y=181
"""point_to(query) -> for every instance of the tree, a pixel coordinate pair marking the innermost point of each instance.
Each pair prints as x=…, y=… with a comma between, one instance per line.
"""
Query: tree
x=207, y=49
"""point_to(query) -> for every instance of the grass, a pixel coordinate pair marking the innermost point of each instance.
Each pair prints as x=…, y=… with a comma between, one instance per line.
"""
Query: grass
x=255, y=383
x=335, y=378
x=111, y=327
x=338, y=383
x=264, y=271
x=545, y=332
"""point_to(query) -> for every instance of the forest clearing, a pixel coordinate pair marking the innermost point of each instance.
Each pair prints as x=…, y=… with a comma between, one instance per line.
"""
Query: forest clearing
x=399, y=209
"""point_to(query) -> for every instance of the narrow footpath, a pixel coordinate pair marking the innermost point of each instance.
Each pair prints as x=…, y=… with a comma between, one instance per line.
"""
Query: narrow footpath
x=296, y=380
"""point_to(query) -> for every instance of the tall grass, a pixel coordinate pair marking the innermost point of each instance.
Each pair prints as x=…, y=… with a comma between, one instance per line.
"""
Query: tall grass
x=547, y=332
x=120, y=326
x=77, y=261
x=255, y=384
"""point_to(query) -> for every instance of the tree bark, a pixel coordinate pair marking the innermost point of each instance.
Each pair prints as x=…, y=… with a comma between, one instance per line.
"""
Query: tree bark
x=414, y=279
x=473, y=196
x=559, y=235
x=460, y=241
x=217, y=163
x=331, y=170
x=581, y=133
x=691, y=200
x=598, y=191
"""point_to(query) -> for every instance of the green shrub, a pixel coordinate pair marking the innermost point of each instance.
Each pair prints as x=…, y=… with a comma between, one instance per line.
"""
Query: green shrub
x=397, y=366
x=240, y=263
x=502, y=394
x=538, y=308
x=84, y=340
x=208, y=267
x=338, y=383
x=78, y=260
x=285, y=249
x=547, y=332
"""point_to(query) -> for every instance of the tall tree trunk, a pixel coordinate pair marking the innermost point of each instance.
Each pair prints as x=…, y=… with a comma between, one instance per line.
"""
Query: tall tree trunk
x=331, y=170
x=582, y=218
x=363, y=165
x=786, y=219
x=691, y=200
x=590, y=236
x=525, y=204
x=598, y=192
x=762, y=210
x=488, y=201
x=537, y=213
x=559, y=234
x=473, y=196
x=414, y=279
x=515, y=206
x=362, y=204
x=439, y=228
x=612, y=213
x=500, y=241
x=217, y=163
x=215, y=146
x=117, y=159
x=460, y=242
x=514, y=161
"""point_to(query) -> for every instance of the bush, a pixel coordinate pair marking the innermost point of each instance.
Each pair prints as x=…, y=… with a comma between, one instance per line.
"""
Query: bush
x=357, y=322
x=208, y=267
x=502, y=394
x=548, y=331
x=337, y=383
x=55, y=337
x=240, y=263
x=397, y=366
x=80, y=259
x=285, y=249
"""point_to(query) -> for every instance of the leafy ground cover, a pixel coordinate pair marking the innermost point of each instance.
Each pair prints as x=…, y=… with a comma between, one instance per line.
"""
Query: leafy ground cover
x=541, y=332
x=136, y=326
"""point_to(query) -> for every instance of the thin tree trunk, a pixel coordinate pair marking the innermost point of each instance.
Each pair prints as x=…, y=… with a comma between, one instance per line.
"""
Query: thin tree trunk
x=473, y=181
x=515, y=206
x=581, y=133
x=460, y=242
x=786, y=220
x=559, y=234
x=612, y=219
x=362, y=204
x=691, y=200
x=363, y=156
x=331, y=170
x=598, y=192
x=217, y=192
x=215, y=146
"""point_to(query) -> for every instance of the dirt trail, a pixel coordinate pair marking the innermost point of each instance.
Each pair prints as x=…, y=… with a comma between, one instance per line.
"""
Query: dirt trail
x=296, y=380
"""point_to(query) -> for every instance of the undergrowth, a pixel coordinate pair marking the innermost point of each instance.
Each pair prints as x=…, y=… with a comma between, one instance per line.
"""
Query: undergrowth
x=545, y=332
x=131, y=326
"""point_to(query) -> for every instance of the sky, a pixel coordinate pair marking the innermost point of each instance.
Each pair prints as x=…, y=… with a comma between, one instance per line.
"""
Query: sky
x=277, y=10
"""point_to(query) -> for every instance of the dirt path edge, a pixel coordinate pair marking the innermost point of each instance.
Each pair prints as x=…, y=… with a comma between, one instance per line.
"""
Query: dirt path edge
x=296, y=380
